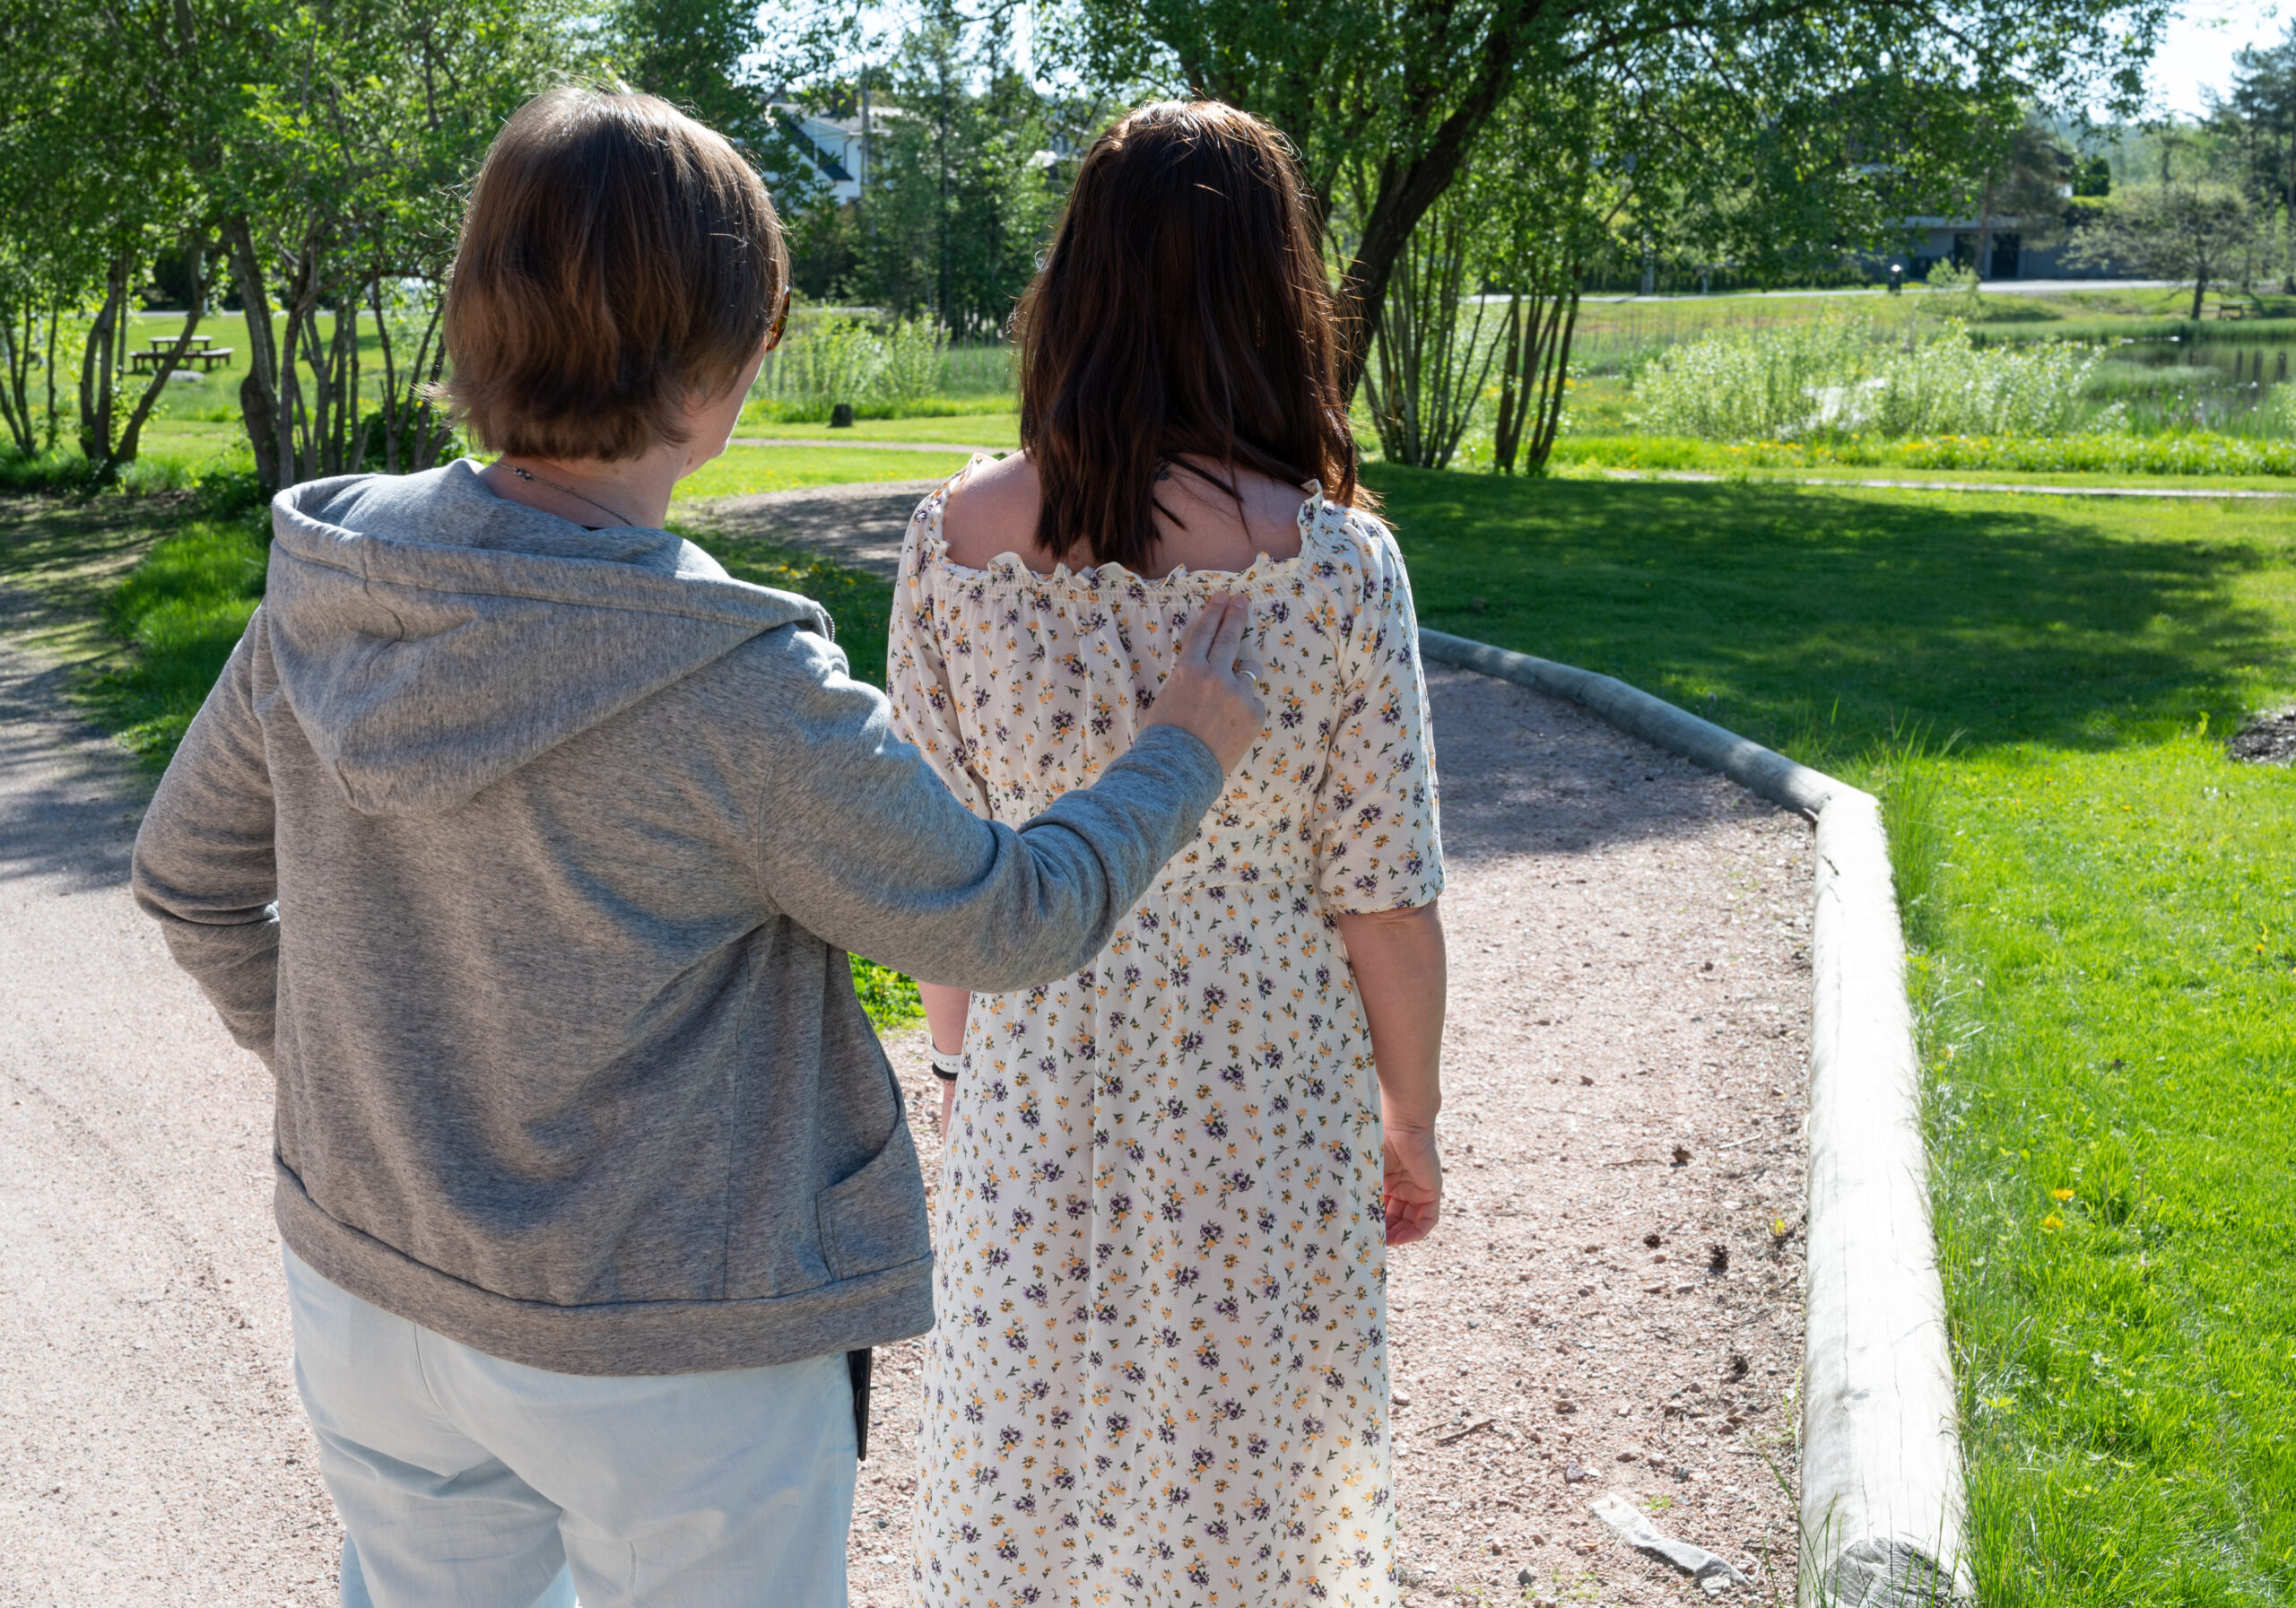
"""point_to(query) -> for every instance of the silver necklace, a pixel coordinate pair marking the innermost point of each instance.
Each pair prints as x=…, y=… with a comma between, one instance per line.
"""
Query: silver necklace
x=531, y=478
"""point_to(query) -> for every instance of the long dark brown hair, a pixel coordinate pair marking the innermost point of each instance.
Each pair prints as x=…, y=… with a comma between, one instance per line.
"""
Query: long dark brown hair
x=1180, y=310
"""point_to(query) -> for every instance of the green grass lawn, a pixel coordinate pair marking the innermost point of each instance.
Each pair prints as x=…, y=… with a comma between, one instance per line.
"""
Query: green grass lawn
x=2105, y=988
x=743, y=470
x=1000, y=432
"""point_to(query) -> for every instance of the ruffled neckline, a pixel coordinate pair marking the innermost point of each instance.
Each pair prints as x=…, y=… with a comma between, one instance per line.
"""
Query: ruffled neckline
x=1007, y=566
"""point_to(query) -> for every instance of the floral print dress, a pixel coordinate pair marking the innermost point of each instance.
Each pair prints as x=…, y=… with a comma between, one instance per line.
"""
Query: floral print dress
x=1159, y=1371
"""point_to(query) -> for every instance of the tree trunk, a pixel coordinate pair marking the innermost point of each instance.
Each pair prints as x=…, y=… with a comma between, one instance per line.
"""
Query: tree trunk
x=1405, y=190
x=259, y=391
x=1533, y=387
x=95, y=369
x=197, y=253
x=15, y=386
x=54, y=319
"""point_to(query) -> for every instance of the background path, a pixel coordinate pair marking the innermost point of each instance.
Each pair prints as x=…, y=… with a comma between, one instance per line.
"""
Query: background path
x=152, y=1449
x=1606, y=1298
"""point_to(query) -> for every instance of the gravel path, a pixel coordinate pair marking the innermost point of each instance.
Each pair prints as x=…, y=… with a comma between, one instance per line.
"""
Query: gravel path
x=1625, y=1062
x=152, y=1449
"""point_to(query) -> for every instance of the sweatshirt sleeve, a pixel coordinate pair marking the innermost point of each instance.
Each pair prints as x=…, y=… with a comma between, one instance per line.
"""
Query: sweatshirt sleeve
x=204, y=866
x=862, y=844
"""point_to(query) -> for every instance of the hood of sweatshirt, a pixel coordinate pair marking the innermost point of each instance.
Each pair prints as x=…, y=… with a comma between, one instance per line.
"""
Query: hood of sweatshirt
x=431, y=637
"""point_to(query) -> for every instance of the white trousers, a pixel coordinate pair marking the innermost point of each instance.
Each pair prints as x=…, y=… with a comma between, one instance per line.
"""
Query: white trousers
x=465, y=1480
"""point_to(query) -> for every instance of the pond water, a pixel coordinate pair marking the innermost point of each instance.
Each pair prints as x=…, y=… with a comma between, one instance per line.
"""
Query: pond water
x=2197, y=385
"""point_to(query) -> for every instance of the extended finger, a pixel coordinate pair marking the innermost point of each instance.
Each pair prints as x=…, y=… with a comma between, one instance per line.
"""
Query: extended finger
x=1196, y=639
x=1227, y=643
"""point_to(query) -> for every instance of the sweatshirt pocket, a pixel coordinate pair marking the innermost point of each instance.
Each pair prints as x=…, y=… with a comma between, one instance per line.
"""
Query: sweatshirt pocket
x=874, y=1219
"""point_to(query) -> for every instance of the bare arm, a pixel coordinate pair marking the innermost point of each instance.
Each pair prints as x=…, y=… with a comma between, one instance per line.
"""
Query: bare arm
x=944, y=1019
x=1398, y=959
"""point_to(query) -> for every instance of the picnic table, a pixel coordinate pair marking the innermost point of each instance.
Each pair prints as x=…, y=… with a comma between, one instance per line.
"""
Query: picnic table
x=201, y=351
x=2240, y=309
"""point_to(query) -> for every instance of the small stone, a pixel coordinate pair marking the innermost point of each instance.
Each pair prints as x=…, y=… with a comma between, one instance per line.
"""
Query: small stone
x=1400, y=1400
x=1681, y=1473
x=1408, y=1576
x=1681, y=1155
x=1573, y=1474
x=1523, y=1578
x=1718, y=1258
x=1654, y=1240
x=1565, y=1405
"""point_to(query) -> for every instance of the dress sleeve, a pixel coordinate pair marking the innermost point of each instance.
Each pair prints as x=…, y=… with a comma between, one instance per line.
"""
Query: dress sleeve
x=1378, y=835
x=917, y=670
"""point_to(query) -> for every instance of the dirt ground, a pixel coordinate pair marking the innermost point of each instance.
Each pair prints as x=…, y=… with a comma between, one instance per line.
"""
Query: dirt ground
x=1611, y=1304
x=1614, y=1300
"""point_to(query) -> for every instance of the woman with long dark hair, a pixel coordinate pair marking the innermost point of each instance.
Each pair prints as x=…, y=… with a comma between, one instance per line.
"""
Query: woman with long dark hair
x=1159, y=1370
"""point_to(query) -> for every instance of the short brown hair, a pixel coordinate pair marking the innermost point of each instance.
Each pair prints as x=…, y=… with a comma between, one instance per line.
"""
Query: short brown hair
x=617, y=261
x=1180, y=310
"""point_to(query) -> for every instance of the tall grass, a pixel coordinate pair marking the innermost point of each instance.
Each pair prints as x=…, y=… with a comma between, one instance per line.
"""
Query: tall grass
x=904, y=369
x=1909, y=776
x=1846, y=375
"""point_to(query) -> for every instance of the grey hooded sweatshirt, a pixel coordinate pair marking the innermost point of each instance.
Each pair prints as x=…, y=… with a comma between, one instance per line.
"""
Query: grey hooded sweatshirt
x=528, y=856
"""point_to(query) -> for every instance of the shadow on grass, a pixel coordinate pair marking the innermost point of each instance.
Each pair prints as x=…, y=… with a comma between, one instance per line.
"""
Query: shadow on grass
x=1824, y=619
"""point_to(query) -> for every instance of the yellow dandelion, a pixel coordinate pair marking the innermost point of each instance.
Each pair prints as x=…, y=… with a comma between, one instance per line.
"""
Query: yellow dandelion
x=2061, y=1195
x=2052, y=1222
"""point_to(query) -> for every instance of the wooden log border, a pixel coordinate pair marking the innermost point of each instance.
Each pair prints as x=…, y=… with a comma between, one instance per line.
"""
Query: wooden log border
x=1881, y=1491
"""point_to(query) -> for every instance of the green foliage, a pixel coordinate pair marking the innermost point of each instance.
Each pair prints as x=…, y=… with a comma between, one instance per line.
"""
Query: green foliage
x=826, y=361
x=891, y=999
x=1769, y=117
x=958, y=200
x=178, y=612
x=713, y=60
x=2187, y=230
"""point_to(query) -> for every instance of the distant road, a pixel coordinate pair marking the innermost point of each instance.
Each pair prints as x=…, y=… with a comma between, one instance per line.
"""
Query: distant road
x=1993, y=287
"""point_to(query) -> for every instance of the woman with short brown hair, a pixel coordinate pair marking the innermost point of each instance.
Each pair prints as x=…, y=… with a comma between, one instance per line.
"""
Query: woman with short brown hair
x=1159, y=1372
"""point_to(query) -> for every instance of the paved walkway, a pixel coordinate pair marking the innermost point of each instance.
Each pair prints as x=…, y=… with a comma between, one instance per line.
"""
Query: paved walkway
x=1607, y=1307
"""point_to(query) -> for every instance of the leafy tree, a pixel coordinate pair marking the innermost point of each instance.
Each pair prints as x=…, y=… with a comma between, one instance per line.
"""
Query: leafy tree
x=2258, y=120
x=2183, y=229
x=1407, y=89
x=84, y=214
x=712, y=59
x=959, y=200
x=343, y=170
